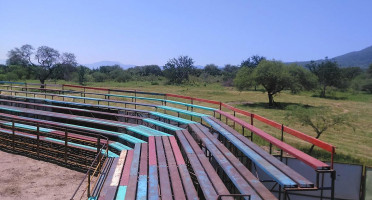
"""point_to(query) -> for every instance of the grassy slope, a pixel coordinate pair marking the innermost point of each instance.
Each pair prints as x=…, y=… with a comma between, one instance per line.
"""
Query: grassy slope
x=353, y=146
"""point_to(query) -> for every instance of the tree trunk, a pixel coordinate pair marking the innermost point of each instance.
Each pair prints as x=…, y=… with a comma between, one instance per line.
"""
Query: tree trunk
x=322, y=93
x=312, y=146
x=255, y=88
x=42, y=82
x=271, y=99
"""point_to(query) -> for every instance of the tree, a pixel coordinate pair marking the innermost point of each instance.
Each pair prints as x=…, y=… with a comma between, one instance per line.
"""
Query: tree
x=328, y=73
x=177, y=70
x=369, y=70
x=212, y=70
x=274, y=76
x=82, y=74
x=47, y=60
x=244, y=79
x=247, y=67
x=252, y=62
x=301, y=79
x=22, y=57
x=319, y=119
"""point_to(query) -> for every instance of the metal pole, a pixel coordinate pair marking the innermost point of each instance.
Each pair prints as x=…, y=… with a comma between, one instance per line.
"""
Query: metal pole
x=252, y=125
x=38, y=140
x=98, y=151
x=88, y=190
x=65, y=146
x=234, y=121
x=282, y=139
x=13, y=134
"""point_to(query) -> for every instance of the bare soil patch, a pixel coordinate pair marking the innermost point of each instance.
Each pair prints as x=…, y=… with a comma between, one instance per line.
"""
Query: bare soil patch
x=25, y=178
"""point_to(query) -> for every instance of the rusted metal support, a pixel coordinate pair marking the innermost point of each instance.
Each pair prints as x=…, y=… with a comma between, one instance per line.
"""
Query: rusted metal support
x=282, y=139
x=38, y=140
x=333, y=177
x=98, y=151
x=88, y=190
x=13, y=133
x=252, y=125
x=234, y=121
x=234, y=195
x=66, y=146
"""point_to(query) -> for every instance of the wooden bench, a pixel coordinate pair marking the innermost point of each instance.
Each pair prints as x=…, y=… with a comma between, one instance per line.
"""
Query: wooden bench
x=309, y=160
x=278, y=171
x=210, y=184
x=153, y=170
x=242, y=179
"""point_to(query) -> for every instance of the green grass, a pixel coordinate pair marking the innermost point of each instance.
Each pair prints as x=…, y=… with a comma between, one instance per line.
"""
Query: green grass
x=352, y=146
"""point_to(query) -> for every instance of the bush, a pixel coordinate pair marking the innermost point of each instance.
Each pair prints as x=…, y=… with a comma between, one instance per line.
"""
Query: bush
x=367, y=86
x=123, y=76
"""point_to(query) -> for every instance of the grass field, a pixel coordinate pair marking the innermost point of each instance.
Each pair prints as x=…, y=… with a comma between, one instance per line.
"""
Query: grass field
x=353, y=145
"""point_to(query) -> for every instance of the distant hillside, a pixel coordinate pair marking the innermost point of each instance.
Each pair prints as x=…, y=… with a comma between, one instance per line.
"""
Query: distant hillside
x=362, y=58
x=108, y=63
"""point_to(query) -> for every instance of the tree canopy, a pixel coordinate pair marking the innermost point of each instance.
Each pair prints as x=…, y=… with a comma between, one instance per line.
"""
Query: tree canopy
x=328, y=73
x=177, y=70
x=47, y=60
x=275, y=76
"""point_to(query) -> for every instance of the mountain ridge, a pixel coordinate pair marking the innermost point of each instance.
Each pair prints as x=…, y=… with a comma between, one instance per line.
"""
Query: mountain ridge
x=361, y=58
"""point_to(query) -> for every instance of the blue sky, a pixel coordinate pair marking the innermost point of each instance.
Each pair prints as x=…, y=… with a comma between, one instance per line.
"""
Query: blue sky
x=220, y=32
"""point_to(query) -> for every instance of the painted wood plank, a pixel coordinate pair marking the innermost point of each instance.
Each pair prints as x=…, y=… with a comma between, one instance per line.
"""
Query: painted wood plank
x=165, y=186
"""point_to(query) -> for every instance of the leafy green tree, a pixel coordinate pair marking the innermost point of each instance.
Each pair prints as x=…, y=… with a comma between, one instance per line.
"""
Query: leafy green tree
x=82, y=74
x=212, y=69
x=319, y=119
x=177, y=70
x=99, y=76
x=328, y=73
x=244, y=79
x=229, y=73
x=274, y=76
x=251, y=63
x=47, y=60
x=301, y=79
x=369, y=70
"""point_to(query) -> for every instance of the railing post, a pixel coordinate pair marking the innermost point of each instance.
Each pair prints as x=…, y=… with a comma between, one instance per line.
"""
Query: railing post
x=98, y=152
x=234, y=120
x=66, y=146
x=282, y=139
x=38, y=140
x=88, y=190
x=252, y=125
x=13, y=133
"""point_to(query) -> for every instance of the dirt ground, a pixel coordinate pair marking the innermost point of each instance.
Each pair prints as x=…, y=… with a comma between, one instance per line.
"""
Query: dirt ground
x=25, y=178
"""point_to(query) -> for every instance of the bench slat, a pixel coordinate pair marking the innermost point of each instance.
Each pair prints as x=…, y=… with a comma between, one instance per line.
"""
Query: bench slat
x=153, y=184
x=133, y=174
x=276, y=174
x=311, y=161
x=163, y=171
x=142, y=180
x=177, y=187
x=302, y=181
